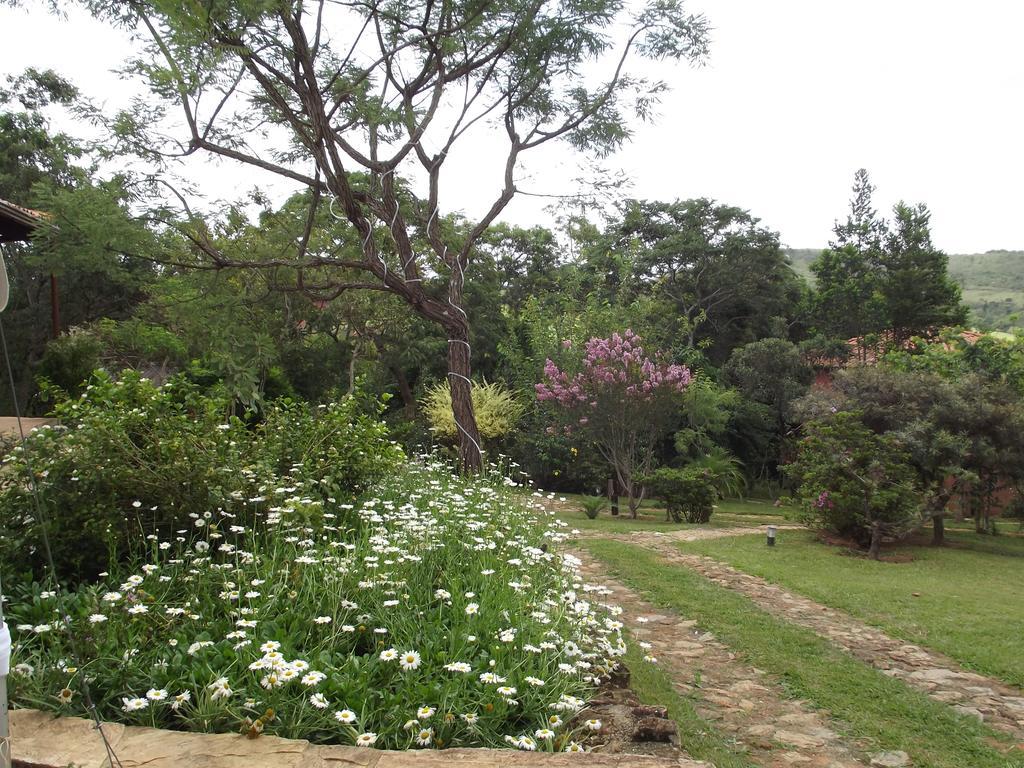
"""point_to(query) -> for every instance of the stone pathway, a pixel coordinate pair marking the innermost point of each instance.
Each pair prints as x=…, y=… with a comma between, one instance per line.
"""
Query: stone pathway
x=740, y=701
x=940, y=677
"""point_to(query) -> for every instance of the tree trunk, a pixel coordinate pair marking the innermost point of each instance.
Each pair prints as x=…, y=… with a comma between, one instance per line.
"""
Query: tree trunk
x=938, y=530
x=404, y=390
x=876, y=541
x=613, y=497
x=352, y=372
x=459, y=370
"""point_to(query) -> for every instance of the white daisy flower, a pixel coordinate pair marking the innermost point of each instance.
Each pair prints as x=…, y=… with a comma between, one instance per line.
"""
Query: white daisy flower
x=410, y=660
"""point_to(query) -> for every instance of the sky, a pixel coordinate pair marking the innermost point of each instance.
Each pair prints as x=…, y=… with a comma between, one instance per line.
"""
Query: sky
x=928, y=95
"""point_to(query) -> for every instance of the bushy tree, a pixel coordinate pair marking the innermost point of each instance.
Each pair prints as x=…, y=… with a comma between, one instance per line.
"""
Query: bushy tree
x=854, y=482
x=920, y=297
x=771, y=372
x=961, y=434
x=621, y=400
x=715, y=274
x=848, y=274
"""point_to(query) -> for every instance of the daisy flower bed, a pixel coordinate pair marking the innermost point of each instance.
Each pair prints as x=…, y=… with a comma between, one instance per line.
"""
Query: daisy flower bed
x=434, y=612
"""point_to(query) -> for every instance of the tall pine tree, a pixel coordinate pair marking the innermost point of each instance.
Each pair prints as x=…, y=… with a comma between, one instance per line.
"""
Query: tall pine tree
x=919, y=295
x=848, y=273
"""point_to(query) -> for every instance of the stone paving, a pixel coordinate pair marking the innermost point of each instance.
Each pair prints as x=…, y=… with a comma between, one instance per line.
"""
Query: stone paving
x=940, y=677
x=740, y=701
x=41, y=740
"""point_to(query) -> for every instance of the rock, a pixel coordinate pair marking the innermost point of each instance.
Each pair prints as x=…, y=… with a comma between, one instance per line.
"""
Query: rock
x=747, y=686
x=797, y=739
x=43, y=741
x=655, y=729
x=646, y=710
x=935, y=675
x=896, y=759
x=970, y=712
x=794, y=758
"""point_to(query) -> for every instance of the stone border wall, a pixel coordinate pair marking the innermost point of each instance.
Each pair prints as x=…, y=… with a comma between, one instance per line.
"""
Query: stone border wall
x=40, y=740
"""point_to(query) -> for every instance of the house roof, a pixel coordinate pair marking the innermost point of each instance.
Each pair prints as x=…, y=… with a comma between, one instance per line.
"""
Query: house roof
x=867, y=351
x=17, y=222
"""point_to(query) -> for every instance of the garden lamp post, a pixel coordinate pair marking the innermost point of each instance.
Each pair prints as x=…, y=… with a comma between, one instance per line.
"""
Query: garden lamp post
x=771, y=535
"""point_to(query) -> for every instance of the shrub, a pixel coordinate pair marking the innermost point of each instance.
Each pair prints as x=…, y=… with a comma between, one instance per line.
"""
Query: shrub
x=688, y=494
x=496, y=408
x=131, y=459
x=432, y=610
x=853, y=482
x=723, y=470
x=593, y=505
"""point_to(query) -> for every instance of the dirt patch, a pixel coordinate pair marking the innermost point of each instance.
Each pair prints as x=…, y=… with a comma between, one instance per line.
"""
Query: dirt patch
x=627, y=725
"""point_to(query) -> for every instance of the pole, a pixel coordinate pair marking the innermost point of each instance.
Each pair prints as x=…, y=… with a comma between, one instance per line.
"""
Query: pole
x=5, y=663
x=54, y=306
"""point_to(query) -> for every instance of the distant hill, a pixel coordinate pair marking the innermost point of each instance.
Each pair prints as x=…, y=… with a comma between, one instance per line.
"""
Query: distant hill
x=992, y=283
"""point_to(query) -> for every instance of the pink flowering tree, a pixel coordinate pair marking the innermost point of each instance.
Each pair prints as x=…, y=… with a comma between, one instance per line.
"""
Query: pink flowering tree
x=621, y=400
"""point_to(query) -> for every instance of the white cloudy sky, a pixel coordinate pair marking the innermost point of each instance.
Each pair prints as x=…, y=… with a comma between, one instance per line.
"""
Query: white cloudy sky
x=798, y=94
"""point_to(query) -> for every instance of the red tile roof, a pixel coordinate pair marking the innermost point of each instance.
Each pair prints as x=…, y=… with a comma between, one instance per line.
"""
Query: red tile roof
x=17, y=222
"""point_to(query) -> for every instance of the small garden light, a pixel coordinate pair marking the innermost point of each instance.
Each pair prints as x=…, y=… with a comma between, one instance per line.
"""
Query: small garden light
x=771, y=535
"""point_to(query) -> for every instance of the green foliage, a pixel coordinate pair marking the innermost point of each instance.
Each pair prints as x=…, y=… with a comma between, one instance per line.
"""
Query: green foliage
x=997, y=357
x=130, y=459
x=919, y=295
x=707, y=411
x=137, y=343
x=497, y=410
x=69, y=361
x=723, y=470
x=853, y=482
x=689, y=494
x=554, y=460
x=593, y=505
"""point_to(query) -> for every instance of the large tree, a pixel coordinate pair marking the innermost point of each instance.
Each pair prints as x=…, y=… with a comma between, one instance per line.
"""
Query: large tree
x=359, y=96
x=716, y=274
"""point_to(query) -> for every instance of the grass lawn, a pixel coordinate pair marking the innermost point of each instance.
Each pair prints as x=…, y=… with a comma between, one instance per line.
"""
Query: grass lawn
x=970, y=605
x=651, y=516
x=878, y=711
